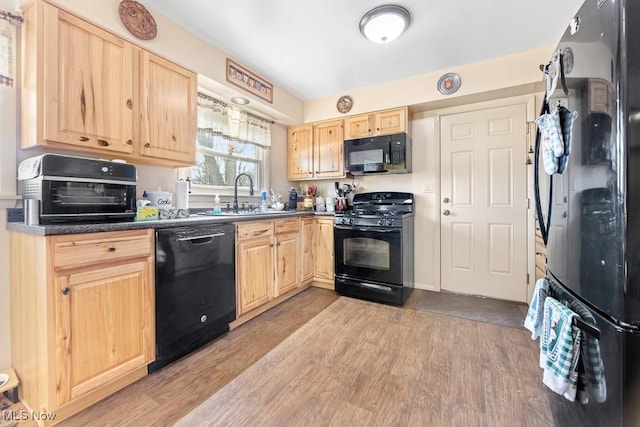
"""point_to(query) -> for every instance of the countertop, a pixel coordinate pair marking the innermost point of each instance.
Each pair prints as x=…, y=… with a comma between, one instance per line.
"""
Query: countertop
x=194, y=219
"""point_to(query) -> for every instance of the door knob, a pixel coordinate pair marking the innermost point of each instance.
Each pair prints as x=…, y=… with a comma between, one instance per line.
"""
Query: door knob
x=446, y=212
x=446, y=200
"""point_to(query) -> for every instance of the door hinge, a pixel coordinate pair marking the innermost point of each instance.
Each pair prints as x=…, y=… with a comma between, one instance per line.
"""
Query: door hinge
x=529, y=126
x=528, y=278
x=528, y=202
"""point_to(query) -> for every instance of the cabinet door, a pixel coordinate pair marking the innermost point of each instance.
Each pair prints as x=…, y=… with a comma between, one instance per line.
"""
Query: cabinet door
x=324, y=249
x=168, y=110
x=357, y=126
x=104, y=326
x=328, y=142
x=255, y=273
x=307, y=250
x=300, y=153
x=391, y=121
x=88, y=85
x=287, y=262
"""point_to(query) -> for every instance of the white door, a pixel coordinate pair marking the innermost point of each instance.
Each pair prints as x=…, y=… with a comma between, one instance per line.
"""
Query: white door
x=484, y=203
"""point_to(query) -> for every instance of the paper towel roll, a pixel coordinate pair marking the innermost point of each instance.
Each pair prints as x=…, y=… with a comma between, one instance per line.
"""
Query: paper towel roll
x=182, y=195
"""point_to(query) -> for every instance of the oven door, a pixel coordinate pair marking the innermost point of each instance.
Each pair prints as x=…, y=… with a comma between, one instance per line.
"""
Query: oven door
x=368, y=253
x=66, y=199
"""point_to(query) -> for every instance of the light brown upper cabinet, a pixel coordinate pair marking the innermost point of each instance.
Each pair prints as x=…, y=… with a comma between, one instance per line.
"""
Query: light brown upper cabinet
x=315, y=151
x=84, y=88
x=328, y=142
x=300, y=152
x=168, y=110
x=387, y=122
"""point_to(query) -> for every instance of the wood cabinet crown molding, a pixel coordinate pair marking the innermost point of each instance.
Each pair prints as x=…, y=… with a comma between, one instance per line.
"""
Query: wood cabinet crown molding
x=85, y=88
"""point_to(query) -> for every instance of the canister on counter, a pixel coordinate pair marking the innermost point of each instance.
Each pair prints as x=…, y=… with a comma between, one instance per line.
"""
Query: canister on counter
x=293, y=199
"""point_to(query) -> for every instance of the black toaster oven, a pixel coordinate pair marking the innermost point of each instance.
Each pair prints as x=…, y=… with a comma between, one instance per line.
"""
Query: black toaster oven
x=77, y=189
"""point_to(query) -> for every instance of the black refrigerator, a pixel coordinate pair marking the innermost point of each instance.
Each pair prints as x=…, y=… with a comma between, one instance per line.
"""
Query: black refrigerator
x=593, y=248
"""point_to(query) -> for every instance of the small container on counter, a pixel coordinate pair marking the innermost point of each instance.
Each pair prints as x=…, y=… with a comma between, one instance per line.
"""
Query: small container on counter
x=293, y=199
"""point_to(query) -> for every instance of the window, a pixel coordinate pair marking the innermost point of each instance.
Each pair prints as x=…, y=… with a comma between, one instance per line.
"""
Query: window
x=229, y=142
x=220, y=160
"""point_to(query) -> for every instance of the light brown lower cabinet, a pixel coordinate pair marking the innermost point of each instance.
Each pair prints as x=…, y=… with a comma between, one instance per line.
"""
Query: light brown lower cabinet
x=323, y=252
x=82, y=317
x=276, y=257
x=267, y=261
x=308, y=266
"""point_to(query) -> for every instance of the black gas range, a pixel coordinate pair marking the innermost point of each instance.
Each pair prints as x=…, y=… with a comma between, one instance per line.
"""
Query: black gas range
x=374, y=247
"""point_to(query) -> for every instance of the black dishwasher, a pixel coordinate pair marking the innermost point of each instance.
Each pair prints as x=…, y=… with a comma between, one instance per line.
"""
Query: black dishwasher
x=195, y=288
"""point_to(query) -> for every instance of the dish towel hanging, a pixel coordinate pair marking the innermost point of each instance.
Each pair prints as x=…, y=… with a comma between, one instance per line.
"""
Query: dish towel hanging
x=533, y=321
x=559, y=349
x=593, y=377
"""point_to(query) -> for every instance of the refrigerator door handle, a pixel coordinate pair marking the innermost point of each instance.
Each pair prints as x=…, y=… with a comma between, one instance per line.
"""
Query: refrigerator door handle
x=544, y=227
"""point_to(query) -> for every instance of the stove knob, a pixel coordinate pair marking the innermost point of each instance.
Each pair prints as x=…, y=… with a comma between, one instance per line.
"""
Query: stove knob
x=389, y=221
x=350, y=221
x=381, y=221
x=344, y=221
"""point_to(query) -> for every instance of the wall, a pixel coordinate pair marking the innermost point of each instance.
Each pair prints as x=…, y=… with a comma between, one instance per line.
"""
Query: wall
x=8, y=143
x=506, y=76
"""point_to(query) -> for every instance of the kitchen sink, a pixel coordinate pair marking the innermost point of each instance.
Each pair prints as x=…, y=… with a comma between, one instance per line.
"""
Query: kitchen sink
x=242, y=213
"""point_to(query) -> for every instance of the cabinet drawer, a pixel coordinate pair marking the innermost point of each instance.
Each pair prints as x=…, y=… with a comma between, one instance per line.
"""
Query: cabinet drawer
x=287, y=225
x=250, y=230
x=99, y=248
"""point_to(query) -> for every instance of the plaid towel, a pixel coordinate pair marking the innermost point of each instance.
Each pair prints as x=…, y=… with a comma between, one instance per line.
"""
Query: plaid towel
x=593, y=378
x=559, y=349
x=533, y=321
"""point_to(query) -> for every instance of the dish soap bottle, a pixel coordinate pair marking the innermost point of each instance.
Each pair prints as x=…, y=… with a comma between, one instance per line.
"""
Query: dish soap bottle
x=263, y=201
x=217, y=209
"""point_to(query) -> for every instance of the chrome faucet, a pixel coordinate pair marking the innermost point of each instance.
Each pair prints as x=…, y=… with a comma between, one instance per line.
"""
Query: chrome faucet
x=235, y=190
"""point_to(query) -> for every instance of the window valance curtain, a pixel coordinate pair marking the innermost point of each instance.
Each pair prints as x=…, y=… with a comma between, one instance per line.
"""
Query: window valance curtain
x=7, y=47
x=217, y=118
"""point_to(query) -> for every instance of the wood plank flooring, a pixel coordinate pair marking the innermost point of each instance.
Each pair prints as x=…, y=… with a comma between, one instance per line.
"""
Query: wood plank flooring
x=368, y=364
x=357, y=364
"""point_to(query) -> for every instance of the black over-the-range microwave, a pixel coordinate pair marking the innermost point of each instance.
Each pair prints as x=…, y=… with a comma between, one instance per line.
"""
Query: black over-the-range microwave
x=378, y=154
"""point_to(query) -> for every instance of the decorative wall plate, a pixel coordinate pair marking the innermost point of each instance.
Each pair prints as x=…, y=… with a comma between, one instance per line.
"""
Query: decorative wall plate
x=137, y=19
x=567, y=60
x=449, y=83
x=344, y=104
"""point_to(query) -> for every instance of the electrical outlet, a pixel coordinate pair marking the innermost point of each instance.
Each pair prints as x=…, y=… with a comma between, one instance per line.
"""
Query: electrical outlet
x=428, y=188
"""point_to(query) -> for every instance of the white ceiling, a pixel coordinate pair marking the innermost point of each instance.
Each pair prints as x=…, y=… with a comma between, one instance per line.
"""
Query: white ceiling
x=314, y=48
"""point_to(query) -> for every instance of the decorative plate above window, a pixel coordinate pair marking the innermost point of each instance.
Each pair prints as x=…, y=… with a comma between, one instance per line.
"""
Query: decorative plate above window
x=344, y=104
x=137, y=19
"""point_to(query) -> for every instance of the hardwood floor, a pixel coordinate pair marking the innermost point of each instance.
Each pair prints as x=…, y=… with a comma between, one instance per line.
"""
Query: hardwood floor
x=454, y=372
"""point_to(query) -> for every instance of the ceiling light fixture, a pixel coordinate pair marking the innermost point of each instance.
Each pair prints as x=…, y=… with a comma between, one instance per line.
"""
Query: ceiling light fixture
x=240, y=100
x=385, y=23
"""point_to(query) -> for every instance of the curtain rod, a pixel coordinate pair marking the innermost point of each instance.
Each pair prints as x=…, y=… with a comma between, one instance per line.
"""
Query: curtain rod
x=8, y=16
x=224, y=104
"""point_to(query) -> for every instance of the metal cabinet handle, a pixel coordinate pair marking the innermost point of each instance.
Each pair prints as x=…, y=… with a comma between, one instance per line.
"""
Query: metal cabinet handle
x=129, y=142
x=147, y=145
x=446, y=200
x=270, y=245
x=446, y=212
x=103, y=142
x=129, y=103
x=83, y=138
x=65, y=291
x=111, y=249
